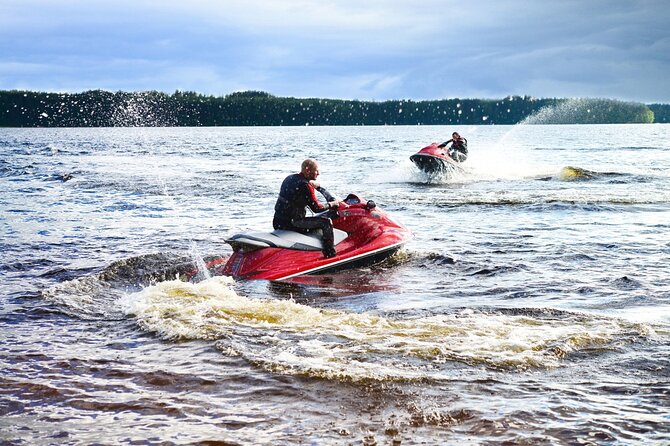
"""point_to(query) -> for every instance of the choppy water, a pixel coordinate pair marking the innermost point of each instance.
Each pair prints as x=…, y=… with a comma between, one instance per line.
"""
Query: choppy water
x=532, y=306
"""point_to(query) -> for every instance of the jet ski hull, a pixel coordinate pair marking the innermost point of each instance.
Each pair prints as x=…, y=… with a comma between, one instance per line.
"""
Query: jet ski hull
x=435, y=160
x=371, y=236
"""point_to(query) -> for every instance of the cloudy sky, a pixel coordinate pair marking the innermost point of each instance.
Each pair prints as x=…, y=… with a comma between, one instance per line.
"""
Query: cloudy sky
x=349, y=49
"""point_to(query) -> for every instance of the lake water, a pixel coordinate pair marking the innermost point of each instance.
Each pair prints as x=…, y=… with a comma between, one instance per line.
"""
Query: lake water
x=531, y=307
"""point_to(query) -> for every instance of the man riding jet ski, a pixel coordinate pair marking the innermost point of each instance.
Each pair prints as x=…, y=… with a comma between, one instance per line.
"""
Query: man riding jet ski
x=459, y=147
x=295, y=194
x=438, y=159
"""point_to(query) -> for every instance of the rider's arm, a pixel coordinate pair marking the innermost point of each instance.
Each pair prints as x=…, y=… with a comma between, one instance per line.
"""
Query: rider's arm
x=327, y=195
x=312, y=202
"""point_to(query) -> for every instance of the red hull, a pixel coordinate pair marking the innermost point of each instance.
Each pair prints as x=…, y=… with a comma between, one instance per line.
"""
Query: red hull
x=433, y=159
x=372, y=235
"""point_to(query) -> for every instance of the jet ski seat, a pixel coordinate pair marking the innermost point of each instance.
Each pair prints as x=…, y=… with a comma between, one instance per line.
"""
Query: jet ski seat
x=281, y=238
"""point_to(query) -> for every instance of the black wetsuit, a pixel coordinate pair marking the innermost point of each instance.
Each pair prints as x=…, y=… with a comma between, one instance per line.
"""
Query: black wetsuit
x=458, y=150
x=295, y=195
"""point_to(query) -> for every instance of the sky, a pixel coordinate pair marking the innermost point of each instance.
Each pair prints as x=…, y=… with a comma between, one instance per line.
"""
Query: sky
x=346, y=49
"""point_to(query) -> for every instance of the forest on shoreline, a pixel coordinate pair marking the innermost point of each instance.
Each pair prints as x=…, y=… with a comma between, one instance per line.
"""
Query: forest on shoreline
x=99, y=108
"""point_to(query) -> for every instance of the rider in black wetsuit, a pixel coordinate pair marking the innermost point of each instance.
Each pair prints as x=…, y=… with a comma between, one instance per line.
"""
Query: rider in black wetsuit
x=296, y=193
x=459, y=147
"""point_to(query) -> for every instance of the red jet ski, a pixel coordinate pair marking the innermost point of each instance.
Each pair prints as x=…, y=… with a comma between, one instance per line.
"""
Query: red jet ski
x=364, y=234
x=433, y=159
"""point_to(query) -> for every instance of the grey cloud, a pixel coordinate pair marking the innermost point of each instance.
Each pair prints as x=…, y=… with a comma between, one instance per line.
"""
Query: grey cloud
x=344, y=48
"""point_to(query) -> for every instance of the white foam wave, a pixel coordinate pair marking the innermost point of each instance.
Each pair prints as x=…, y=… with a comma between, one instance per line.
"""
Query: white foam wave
x=83, y=297
x=287, y=337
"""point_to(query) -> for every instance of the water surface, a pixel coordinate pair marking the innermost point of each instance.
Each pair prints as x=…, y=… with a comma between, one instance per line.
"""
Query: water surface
x=532, y=305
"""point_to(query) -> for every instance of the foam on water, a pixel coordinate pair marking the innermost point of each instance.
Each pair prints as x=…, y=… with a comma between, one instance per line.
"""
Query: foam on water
x=287, y=337
x=657, y=315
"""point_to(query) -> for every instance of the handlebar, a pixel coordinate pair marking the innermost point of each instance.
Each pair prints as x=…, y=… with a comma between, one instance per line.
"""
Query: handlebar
x=351, y=201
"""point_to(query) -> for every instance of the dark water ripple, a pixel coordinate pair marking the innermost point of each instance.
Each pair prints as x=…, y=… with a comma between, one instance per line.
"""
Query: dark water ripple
x=524, y=312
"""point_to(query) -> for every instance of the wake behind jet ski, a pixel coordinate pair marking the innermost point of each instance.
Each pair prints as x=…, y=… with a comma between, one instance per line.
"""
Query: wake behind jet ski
x=363, y=234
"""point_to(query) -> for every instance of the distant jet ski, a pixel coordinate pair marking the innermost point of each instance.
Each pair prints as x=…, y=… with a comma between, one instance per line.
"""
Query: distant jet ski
x=433, y=160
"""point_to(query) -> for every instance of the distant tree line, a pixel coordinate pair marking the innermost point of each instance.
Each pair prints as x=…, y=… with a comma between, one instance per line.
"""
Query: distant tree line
x=661, y=112
x=99, y=108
